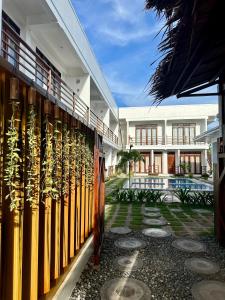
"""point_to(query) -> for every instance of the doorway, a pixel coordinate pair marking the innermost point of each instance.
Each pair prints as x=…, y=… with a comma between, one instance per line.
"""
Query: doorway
x=171, y=163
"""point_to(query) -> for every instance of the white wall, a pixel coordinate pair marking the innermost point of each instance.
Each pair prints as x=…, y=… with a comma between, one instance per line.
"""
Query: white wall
x=168, y=112
x=68, y=20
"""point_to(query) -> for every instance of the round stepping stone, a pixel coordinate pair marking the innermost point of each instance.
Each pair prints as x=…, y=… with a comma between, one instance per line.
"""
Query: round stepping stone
x=120, y=230
x=202, y=266
x=202, y=211
x=176, y=210
x=157, y=222
x=128, y=263
x=156, y=232
x=152, y=215
x=189, y=245
x=125, y=288
x=152, y=209
x=208, y=290
x=129, y=243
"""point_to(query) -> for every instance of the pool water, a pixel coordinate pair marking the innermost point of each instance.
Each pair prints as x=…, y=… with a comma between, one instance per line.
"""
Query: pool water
x=168, y=184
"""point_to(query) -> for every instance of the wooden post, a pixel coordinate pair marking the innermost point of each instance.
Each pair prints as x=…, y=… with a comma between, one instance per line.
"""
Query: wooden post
x=96, y=230
x=2, y=130
x=45, y=211
x=31, y=213
x=65, y=198
x=56, y=203
x=72, y=208
x=83, y=197
x=13, y=220
x=86, y=210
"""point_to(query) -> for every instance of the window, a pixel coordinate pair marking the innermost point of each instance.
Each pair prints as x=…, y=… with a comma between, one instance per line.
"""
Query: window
x=192, y=162
x=10, y=39
x=146, y=135
x=42, y=68
x=183, y=134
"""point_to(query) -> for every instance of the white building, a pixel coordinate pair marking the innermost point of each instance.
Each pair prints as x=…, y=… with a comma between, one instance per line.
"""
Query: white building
x=44, y=39
x=211, y=137
x=165, y=136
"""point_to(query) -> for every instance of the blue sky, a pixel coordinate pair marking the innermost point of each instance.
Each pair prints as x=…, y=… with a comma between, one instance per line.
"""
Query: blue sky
x=124, y=38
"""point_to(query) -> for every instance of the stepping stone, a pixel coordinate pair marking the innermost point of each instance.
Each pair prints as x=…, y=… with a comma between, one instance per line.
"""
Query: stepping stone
x=156, y=232
x=125, y=288
x=152, y=209
x=157, y=222
x=208, y=290
x=128, y=263
x=189, y=245
x=202, y=266
x=129, y=243
x=176, y=210
x=152, y=215
x=202, y=211
x=120, y=230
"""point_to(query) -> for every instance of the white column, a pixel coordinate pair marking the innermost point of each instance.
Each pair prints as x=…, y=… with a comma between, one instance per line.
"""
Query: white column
x=152, y=160
x=108, y=158
x=165, y=162
x=165, y=132
x=204, y=159
x=128, y=133
x=177, y=158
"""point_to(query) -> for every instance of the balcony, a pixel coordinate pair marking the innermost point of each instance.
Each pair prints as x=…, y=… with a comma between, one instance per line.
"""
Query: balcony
x=24, y=59
x=160, y=140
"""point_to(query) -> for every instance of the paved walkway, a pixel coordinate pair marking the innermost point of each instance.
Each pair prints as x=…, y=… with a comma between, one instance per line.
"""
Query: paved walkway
x=159, y=270
x=163, y=268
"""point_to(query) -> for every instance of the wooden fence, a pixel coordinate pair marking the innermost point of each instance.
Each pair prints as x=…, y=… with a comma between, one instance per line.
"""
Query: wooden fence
x=51, y=190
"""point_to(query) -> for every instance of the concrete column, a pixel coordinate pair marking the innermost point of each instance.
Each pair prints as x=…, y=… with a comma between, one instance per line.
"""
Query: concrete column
x=165, y=163
x=108, y=158
x=152, y=160
x=165, y=132
x=114, y=160
x=204, y=159
x=177, y=158
x=128, y=133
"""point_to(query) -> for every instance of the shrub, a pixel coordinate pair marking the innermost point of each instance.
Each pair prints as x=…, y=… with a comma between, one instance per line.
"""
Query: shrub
x=184, y=196
x=205, y=176
x=203, y=198
x=154, y=196
x=131, y=195
x=141, y=196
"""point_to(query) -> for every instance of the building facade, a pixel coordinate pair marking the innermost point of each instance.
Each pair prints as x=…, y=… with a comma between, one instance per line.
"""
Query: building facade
x=167, y=140
x=45, y=41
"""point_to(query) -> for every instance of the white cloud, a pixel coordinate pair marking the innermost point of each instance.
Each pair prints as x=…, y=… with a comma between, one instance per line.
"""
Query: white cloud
x=123, y=36
x=119, y=22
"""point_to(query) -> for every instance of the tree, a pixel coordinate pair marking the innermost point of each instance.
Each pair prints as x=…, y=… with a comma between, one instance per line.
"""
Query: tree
x=126, y=157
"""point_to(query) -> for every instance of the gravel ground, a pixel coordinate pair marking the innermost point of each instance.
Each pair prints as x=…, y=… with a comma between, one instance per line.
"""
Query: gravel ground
x=163, y=269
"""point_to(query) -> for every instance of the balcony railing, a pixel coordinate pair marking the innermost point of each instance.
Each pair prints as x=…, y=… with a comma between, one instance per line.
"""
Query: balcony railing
x=182, y=141
x=102, y=128
x=153, y=141
x=23, y=58
x=159, y=140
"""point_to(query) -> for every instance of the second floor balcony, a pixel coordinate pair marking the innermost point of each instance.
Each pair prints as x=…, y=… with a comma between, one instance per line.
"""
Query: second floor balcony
x=164, y=140
x=23, y=59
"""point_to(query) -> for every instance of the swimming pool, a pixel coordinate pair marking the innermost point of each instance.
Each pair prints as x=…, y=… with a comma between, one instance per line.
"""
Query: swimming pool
x=168, y=184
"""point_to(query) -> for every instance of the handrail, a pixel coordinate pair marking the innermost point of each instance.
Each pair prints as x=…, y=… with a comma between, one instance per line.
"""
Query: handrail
x=17, y=52
x=160, y=140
